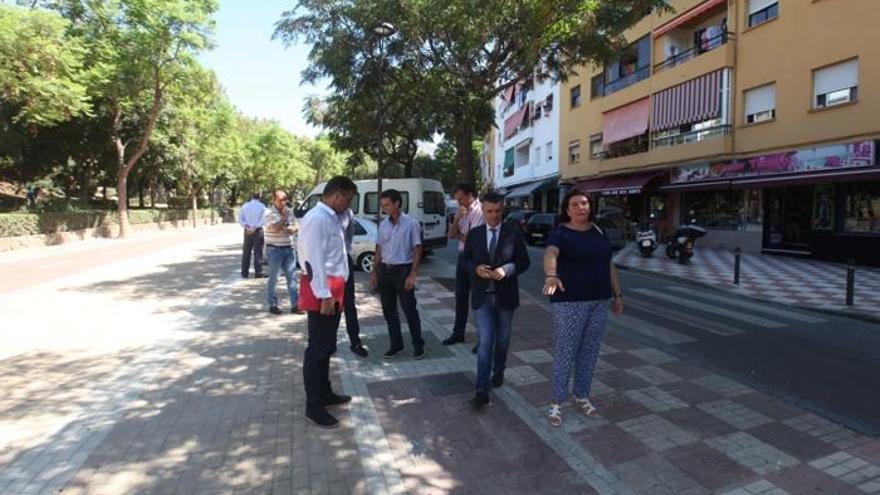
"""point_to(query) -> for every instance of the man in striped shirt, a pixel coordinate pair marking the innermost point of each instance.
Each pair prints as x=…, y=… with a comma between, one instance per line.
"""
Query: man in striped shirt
x=279, y=225
x=470, y=215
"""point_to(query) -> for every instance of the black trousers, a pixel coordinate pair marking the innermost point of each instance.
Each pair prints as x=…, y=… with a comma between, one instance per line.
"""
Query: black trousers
x=316, y=364
x=462, y=298
x=392, y=287
x=252, y=243
x=351, y=313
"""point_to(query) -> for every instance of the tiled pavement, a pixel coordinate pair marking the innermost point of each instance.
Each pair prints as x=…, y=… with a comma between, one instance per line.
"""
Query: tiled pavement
x=803, y=283
x=217, y=408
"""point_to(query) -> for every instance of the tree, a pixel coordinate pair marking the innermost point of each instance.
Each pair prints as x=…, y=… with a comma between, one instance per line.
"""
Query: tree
x=141, y=47
x=466, y=51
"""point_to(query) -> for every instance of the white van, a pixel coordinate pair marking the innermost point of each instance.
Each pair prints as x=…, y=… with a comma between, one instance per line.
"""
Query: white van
x=423, y=199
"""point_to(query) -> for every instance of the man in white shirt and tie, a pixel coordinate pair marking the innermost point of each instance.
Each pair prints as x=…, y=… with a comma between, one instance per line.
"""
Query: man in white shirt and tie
x=250, y=217
x=324, y=263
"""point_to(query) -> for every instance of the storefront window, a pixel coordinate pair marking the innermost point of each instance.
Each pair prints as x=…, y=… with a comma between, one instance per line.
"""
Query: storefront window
x=722, y=210
x=823, y=207
x=863, y=208
x=657, y=207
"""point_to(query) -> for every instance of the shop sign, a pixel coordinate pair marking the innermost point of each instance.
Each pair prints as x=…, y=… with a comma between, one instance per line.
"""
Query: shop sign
x=622, y=191
x=851, y=155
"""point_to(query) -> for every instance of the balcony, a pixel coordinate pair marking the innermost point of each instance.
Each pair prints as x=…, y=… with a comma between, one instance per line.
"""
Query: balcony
x=699, y=133
x=695, y=50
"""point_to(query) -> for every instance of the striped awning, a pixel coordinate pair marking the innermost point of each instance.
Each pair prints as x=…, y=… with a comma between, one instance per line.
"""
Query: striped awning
x=690, y=102
x=688, y=16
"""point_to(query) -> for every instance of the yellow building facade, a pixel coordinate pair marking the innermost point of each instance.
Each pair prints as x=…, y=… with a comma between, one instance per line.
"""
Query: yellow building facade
x=756, y=118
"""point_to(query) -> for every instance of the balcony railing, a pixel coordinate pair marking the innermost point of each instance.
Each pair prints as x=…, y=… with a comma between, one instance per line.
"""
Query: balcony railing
x=624, y=148
x=623, y=82
x=693, y=52
x=692, y=136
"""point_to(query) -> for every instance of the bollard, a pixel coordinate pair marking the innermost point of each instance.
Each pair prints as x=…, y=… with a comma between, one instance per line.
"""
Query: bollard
x=737, y=258
x=850, y=281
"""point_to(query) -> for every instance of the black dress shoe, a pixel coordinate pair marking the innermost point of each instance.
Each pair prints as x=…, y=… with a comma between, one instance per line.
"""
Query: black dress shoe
x=244, y=275
x=391, y=353
x=497, y=380
x=480, y=400
x=452, y=340
x=420, y=353
x=296, y=311
x=476, y=348
x=359, y=350
x=336, y=400
x=275, y=310
x=261, y=275
x=322, y=419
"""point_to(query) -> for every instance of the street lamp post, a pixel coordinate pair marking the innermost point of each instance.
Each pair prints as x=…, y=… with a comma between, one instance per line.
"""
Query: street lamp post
x=382, y=31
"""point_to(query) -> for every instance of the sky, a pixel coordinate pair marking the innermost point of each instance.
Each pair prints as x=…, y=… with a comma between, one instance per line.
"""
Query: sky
x=260, y=76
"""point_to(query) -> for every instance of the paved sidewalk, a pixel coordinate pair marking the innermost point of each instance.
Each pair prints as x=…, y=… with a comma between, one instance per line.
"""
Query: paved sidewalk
x=174, y=379
x=808, y=284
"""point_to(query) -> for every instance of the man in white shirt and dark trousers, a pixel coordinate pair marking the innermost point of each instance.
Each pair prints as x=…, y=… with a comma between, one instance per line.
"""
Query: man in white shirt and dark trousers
x=398, y=256
x=280, y=225
x=351, y=315
x=324, y=262
x=250, y=217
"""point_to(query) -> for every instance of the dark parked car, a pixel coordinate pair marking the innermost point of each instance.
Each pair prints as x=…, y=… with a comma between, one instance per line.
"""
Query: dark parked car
x=520, y=219
x=539, y=227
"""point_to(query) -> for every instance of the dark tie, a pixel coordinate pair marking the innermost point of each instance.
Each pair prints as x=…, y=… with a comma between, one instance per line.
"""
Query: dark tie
x=493, y=243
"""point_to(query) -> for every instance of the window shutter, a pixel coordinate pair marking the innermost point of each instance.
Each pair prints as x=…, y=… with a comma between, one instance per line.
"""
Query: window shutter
x=759, y=5
x=760, y=99
x=836, y=77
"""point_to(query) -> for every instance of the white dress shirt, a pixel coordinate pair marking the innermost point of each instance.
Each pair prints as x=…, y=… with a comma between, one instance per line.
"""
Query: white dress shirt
x=251, y=214
x=509, y=268
x=321, y=248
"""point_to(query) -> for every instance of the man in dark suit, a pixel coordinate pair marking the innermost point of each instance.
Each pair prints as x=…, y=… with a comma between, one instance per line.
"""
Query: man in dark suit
x=494, y=255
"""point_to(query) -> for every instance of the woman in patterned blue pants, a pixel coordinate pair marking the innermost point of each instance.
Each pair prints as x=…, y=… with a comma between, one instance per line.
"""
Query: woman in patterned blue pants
x=582, y=283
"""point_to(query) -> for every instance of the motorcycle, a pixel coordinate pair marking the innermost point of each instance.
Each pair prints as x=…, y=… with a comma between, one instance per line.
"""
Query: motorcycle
x=681, y=245
x=646, y=240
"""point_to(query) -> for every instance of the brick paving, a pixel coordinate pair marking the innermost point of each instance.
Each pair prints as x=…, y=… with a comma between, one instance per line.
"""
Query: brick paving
x=802, y=283
x=203, y=394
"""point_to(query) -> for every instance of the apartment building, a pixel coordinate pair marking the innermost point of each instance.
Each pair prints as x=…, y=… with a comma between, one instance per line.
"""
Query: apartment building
x=525, y=144
x=759, y=119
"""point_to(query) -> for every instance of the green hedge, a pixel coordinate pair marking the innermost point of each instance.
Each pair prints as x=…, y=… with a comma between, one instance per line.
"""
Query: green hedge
x=18, y=224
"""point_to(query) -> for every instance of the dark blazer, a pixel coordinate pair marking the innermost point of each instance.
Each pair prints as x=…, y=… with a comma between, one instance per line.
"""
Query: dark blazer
x=511, y=248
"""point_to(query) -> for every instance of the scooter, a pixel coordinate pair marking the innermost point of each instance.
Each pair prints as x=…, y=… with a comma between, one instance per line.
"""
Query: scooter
x=646, y=240
x=681, y=245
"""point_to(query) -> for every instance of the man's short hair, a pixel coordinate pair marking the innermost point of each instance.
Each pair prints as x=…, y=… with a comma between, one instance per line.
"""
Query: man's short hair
x=256, y=195
x=493, y=197
x=393, y=195
x=279, y=190
x=464, y=187
x=341, y=184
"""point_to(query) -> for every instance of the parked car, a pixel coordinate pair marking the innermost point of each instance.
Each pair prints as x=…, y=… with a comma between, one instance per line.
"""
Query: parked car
x=363, y=245
x=520, y=218
x=539, y=227
x=613, y=224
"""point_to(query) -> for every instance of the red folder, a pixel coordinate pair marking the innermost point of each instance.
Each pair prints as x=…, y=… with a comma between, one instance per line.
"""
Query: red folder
x=307, y=299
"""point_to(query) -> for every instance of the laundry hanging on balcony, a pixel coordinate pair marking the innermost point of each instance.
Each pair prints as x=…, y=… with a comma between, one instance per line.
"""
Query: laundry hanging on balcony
x=690, y=102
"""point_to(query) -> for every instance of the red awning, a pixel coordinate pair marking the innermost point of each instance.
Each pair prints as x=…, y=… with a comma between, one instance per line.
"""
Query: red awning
x=513, y=123
x=687, y=16
x=689, y=102
x=625, y=122
x=618, y=186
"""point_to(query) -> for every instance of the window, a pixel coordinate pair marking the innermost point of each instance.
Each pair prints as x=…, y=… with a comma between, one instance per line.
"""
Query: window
x=722, y=210
x=548, y=104
x=359, y=229
x=371, y=202
x=537, y=156
x=761, y=11
x=836, y=84
x=863, y=208
x=596, y=148
x=433, y=203
x=355, y=203
x=521, y=157
x=823, y=207
x=549, y=150
x=574, y=152
x=760, y=104
x=597, y=86
x=576, y=96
